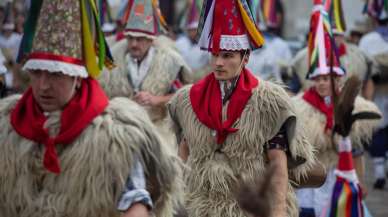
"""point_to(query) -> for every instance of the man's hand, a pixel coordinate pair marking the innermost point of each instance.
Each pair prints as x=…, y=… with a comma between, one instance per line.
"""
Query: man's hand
x=137, y=210
x=145, y=98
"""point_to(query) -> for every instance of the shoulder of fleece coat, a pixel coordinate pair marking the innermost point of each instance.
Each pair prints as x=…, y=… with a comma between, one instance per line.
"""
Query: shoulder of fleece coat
x=170, y=56
x=8, y=103
x=280, y=107
x=115, y=81
x=299, y=66
x=6, y=106
x=362, y=130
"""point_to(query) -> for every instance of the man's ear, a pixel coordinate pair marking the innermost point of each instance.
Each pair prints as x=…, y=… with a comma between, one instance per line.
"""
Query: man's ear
x=246, y=59
x=78, y=82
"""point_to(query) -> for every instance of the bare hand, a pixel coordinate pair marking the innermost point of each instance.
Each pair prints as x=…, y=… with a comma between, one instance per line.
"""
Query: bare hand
x=364, y=190
x=137, y=210
x=145, y=98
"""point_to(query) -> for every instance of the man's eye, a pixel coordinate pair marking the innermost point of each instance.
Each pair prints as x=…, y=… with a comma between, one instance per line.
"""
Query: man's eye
x=35, y=73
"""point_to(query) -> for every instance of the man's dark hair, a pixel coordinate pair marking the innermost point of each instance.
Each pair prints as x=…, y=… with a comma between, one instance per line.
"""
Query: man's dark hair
x=244, y=52
x=383, y=22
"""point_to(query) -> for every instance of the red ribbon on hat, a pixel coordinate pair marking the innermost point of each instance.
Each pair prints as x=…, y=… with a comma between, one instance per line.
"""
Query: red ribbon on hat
x=217, y=25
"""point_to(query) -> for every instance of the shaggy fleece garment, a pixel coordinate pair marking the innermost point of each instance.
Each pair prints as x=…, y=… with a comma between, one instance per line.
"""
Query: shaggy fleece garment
x=94, y=167
x=215, y=170
x=315, y=121
x=163, y=70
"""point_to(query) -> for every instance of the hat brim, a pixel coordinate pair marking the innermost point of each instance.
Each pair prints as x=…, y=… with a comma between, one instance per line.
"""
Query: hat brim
x=325, y=71
x=52, y=66
x=139, y=34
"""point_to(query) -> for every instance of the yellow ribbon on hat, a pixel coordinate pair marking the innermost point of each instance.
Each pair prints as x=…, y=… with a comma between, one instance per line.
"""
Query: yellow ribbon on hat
x=337, y=15
x=89, y=52
x=256, y=36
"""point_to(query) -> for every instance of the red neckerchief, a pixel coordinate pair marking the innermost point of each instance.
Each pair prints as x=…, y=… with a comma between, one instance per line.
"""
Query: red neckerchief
x=342, y=50
x=205, y=97
x=313, y=98
x=28, y=119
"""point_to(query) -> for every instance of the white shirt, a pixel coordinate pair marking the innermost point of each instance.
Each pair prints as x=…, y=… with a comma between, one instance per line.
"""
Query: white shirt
x=12, y=43
x=138, y=72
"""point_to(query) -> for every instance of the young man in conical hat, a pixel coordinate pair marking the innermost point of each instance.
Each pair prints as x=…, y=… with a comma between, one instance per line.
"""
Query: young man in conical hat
x=66, y=150
x=375, y=45
x=317, y=106
x=233, y=126
x=147, y=72
x=355, y=61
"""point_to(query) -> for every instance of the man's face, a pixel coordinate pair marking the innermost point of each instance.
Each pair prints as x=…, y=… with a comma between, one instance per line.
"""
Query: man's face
x=192, y=33
x=339, y=39
x=52, y=91
x=322, y=84
x=227, y=64
x=138, y=46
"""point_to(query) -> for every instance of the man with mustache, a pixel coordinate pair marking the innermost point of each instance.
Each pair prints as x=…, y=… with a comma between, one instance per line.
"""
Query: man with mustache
x=148, y=70
x=233, y=126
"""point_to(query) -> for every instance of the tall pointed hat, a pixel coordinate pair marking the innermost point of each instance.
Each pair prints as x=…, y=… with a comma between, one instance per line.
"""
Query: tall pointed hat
x=228, y=25
x=323, y=57
x=65, y=36
x=143, y=18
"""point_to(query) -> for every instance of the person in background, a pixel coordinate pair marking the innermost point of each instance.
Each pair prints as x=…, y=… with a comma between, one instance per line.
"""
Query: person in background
x=354, y=60
x=187, y=43
x=317, y=106
x=375, y=45
x=148, y=71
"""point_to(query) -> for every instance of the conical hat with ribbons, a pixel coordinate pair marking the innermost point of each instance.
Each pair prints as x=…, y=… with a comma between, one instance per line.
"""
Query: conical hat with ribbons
x=143, y=18
x=228, y=25
x=64, y=36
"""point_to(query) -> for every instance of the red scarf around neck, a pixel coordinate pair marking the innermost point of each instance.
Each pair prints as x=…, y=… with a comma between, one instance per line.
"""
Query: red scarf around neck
x=342, y=50
x=205, y=97
x=313, y=98
x=28, y=119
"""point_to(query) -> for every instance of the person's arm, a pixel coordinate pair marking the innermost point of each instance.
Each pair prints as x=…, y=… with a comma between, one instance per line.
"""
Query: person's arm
x=279, y=183
x=276, y=150
x=136, y=210
x=135, y=200
x=145, y=98
x=359, y=166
